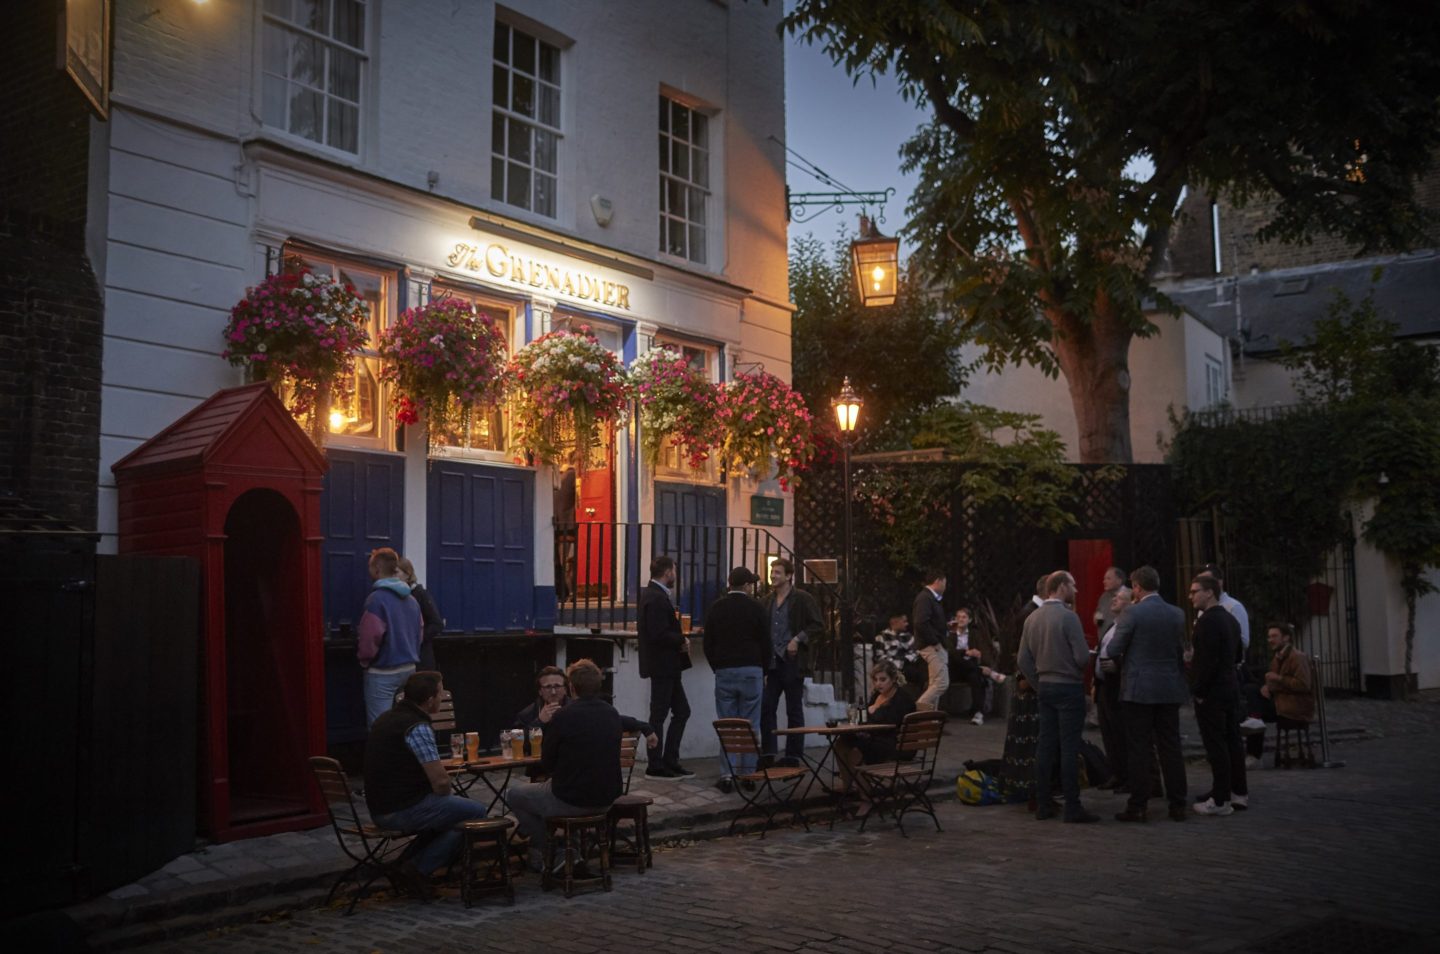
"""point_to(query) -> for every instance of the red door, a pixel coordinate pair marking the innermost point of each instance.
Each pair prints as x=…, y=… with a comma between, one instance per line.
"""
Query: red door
x=1089, y=559
x=595, y=519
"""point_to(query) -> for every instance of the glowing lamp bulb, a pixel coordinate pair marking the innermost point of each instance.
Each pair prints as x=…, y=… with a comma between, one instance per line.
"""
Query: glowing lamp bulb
x=337, y=421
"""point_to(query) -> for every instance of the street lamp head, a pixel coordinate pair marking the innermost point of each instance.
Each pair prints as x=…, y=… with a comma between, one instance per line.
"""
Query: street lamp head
x=847, y=409
x=875, y=261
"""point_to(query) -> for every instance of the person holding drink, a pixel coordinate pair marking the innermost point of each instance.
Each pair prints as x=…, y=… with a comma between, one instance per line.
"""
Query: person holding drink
x=889, y=705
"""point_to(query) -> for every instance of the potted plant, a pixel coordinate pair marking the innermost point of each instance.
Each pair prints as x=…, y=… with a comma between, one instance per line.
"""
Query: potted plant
x=300, y=331
x=765, y=425
x=445, y=359
x=565, y=383
x=675, y=401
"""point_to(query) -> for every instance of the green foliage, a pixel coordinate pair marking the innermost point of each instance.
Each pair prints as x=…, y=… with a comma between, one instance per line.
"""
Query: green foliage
x=902, y=359
x=1031, y=219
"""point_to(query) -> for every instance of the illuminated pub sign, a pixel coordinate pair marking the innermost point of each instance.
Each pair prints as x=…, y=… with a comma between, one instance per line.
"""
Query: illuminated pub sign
x=501, y=263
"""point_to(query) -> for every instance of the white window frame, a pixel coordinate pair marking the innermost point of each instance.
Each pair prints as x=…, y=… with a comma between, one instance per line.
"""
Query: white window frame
x=686, y=187
x=275, y=21
x=670, y=467
x=507, y=312
x=1214, y=381
x=508, y=119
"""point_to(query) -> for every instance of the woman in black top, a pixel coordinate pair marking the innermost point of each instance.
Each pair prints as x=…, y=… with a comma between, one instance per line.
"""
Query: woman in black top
x=431, y=620
x=889, y=704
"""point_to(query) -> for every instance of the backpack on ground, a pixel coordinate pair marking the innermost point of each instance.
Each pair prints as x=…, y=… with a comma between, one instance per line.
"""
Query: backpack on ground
x=974, y=787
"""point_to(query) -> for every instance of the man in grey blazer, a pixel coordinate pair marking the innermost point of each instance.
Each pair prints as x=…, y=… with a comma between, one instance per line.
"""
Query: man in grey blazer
x=1150, y=644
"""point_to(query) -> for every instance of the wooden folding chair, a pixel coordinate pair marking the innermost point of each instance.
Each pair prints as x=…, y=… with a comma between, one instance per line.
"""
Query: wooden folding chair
x=899, y=787
x=774, y=788
x=634, y=809
x=376, y=852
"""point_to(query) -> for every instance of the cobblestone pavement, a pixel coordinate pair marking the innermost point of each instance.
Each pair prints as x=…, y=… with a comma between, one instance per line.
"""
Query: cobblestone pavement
x=1352, y=843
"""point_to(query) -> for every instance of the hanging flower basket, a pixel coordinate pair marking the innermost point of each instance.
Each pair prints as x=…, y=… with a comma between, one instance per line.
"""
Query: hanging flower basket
x=678, y=402
x=445, y=359
x=765, y=424
x=565, y=384
x=302, y=330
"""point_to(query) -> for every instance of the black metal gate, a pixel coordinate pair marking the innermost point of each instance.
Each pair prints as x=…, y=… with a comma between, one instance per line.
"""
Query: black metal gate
x=1323, y=609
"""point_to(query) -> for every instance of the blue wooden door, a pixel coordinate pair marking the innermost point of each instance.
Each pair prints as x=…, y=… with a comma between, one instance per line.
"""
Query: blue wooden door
x=690, y=527
x=481, y=533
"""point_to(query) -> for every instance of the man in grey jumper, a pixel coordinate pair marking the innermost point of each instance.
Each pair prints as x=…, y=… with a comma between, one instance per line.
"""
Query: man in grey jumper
x=1053, y=655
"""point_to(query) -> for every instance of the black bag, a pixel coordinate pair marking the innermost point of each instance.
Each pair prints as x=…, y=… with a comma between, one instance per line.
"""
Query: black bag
x=1097, y=767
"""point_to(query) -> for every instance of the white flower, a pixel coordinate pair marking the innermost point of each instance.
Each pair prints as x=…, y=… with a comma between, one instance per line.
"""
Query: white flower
x=438, y=340
x=260, y=347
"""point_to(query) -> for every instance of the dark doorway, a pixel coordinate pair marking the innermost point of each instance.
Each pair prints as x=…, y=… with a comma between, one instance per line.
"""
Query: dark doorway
x=264, y=658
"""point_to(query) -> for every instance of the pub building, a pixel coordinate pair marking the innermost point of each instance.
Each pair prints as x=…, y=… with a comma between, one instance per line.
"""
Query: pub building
x=503, y=155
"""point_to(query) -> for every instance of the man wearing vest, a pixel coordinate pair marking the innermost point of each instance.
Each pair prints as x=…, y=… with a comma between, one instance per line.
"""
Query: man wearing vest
x=406, y=787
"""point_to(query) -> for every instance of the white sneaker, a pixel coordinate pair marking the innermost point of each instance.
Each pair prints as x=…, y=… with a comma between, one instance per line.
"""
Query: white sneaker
x=1252, y=724
x=978, y=718
x=1251, y=762
x=1208, y=807
x=1240, y=802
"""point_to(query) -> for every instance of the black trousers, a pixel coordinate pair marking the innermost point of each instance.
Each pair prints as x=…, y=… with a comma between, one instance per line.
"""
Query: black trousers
x=1112, y=727
x=667, y=697
x=1219, y=721
x=967, y=669
x=784, y=679
x=1149, y=725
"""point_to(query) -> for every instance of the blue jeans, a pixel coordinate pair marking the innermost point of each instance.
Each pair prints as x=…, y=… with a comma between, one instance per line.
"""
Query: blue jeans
x=737, y=696
x=1062, y=719
x=436, y=816
x=380, y=689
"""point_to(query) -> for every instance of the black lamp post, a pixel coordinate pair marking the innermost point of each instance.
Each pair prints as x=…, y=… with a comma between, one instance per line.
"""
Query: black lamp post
x=847, y=415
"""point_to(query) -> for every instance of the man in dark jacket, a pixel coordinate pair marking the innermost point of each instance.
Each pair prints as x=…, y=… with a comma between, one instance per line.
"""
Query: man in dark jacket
x=406, y=786
x=927, y=622
x=581, y=756
x=737, y=646
x=1150, y=644
x=1217, y=697
x=664, y=655
x=793, y=619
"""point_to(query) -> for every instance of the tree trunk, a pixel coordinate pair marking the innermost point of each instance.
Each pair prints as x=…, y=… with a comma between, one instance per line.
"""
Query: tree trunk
x=1094, y=356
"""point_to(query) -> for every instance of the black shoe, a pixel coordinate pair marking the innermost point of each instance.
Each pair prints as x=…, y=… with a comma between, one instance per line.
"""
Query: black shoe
x=1081, y=817
x=748, y=784
x=679, y=771
x=1045, y=812
x=726, y=785
x=789, y=761
x=417, y=884
x=660, y=772
x=1132, y=815
x=1177, y=813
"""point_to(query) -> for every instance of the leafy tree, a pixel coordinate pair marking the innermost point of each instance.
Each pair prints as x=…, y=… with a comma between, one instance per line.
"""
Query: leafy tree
x=902, y=361
x=1031, y=216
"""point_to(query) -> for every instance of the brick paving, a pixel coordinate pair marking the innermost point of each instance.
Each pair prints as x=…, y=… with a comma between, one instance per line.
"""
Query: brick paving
x=1356, y=842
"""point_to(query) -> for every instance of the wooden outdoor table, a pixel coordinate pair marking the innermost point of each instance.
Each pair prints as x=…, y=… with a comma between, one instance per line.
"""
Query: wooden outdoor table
x=835, y=789
x=484, y=768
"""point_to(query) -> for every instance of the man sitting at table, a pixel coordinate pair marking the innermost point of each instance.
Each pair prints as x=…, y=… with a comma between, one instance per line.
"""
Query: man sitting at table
x=406, y=786
x=553, y=696
x=581, y=755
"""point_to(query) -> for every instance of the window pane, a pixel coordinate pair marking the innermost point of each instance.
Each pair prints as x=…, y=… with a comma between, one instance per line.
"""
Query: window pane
x=497, y=178
x=522, y=100
x=664, y=154
x=545, y=151
x=306, y=60
x=345, y=75
x=502, y=43
x=675, y=197
x=274, y=100
x=349, y=23
x=497, y=134
x=699, y=167
x=305, y=109
x=697, y=206
x=524, y=53
x=276, y=46
x=681, y=122
x=311, y=14
x=680, y=159
x=519, y=141
x=677, y=237
x=344, y=123
x=281, y=8
x=664, y=114
x=501, y=95
x=544, y=194
x=661, y=245
x=697, y=244
x=663, y=204
x=700, y=130
x=549, y=63
x=517, y=186
x=550, y=105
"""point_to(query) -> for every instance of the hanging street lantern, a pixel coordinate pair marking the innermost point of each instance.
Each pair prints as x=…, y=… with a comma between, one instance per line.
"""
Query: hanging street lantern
x=875, y=260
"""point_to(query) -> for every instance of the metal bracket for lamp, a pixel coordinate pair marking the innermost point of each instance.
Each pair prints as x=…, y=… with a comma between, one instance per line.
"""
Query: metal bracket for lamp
x=804, y=206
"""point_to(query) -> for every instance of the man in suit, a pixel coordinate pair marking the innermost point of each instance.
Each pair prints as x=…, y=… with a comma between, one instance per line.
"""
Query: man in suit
x=1150, y=644
x=664, y=655
x=1053, y=655
x=737, y=644
x=1217, y=698
x=927, y=622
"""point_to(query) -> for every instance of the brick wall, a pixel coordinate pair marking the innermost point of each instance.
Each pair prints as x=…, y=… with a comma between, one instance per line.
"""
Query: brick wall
x=50, y=306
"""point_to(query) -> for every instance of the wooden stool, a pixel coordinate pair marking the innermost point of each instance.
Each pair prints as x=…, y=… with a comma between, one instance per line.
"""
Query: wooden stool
x=580, y=834
x=490, y=837
x=1290, y=734
x=636, y=810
